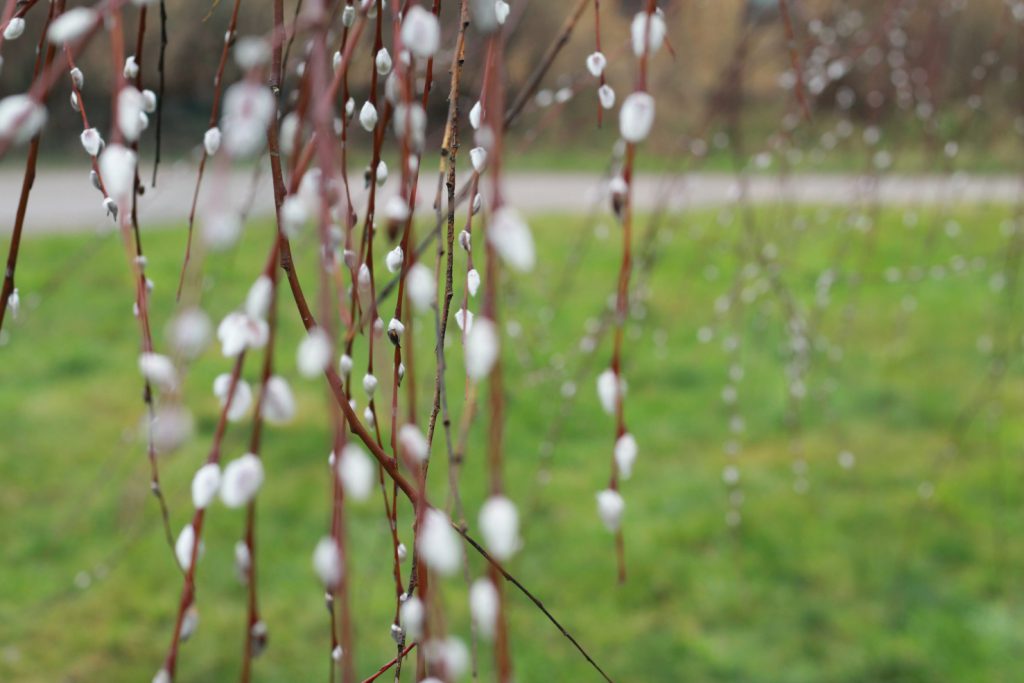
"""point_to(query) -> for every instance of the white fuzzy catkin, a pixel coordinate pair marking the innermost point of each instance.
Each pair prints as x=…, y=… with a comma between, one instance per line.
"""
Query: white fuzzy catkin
x=92, y=143
x=610, y=507
x=478, y=158
x=171, y=428
x=476, y=115
x=257, y=301
x=395, y=329
x=483, y=606
x=21, y=118
x=243, y=561
x=422, y=289
x=130, y=115
x=641, y=34
x=609, y=386
x=501, y=11
x=411, y=123
x=411, y=616
x=158, y=369
x=15, y=27
x=148, y=101
x=248, y=110
x=411, y=439
x=294, y=215
x=618, y=186
x=131, y=68
x=314, y=354
x=238, y=332
x=205, y=485
x=499, y=524
x=396, y=209
x=278, y=401
x=242, y=479
x=484, y=15
x=439, y=545
x=189, y=623
x=473, y=281
x=327, y=562
x=596, y=64
x=394, y=259
x=383, y=61
x=14, y=303
x=211, y=140
x=221, y=229
x=71, y=25
x=251, y=52
x=241, y=400
x=368, y=117
x=184, y=546
x=117, y=166
x=512, y=238
x=626, y=451
x=363, y=278
x=421, y=32
x=369, y=384
x=190, y=332
x=345, y=365
x=636, y=117
x=482, y=348
x=356, y=471
x=451, y=654
x=464, y=319
x=606, y=96
x=289, y=128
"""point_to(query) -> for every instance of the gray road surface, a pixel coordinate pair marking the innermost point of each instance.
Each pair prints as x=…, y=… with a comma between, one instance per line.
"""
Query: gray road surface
x=64, y=201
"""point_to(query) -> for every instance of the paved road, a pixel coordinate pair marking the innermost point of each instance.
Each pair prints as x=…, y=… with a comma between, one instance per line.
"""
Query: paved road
x=64, y=200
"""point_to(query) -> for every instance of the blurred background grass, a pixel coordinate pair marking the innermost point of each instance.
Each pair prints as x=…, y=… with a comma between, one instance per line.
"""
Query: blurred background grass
x=902, y=567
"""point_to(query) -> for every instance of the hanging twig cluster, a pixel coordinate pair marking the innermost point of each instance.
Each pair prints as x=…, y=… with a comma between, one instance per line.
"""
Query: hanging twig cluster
x=302, y=119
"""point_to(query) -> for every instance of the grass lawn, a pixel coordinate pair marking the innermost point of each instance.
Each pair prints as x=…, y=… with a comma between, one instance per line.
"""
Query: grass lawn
x=905, y=566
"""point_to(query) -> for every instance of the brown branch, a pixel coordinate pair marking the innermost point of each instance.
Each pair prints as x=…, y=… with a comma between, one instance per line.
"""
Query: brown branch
x=381, y=671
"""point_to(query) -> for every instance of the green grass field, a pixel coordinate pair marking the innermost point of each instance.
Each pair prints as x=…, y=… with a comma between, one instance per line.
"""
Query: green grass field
x=904, y=568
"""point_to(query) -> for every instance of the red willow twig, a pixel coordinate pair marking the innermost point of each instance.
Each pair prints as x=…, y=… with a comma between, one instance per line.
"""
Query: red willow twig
x=447, y=179
x=188, y=588
x=409, y=178
x=794, y=58
x=622, y=291
x=160, y=90
x=597, y=45
x=255, y=636
x=544, y=65
x=131, y=237
x=397, y=660
x=494, y=99
x=43, y=59
x=367, y=261
x=218, y=86
x=322, y=126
